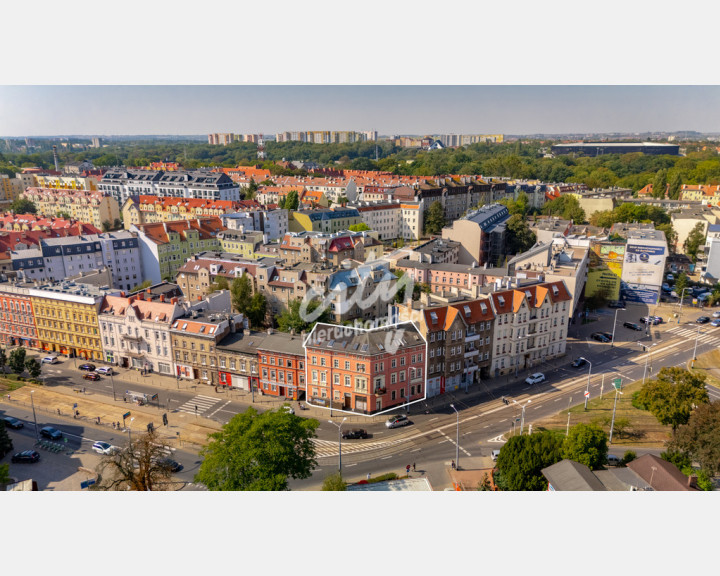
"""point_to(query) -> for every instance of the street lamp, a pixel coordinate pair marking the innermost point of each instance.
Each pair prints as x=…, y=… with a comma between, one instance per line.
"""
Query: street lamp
x=695, y=350
x=339, y=427
x=681, y=303
x=37, y=436
x=129, y=437
x=457, y=438
x=112, y=381
x=567, y=430
x=612, y=342
x=587, y=389
x=522, y=416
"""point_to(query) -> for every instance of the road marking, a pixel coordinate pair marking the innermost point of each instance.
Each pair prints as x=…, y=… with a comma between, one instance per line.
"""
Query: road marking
x=385, y=457
x=218, y=410
x=416, y=450
x=431, y=419
x=501, y=421
x=538, y=406
x=488, y=426
x=348, y=465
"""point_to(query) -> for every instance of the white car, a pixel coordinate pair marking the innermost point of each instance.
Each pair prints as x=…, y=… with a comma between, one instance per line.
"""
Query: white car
x=105, y=370
x=494, y=455
x=288, y=409
x=104, y=448
x=535, y=378
x=50, y=360
x=716, y=314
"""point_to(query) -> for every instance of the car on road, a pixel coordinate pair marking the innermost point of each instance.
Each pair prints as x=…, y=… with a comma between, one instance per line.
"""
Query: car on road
x=356, y=434
x=92, y=376
x=104, y=370
x=703, y=320
x=51, y=433
x=535, y=378
x=670, y=278
x=88, y=367
x=578, y=362
x=11, y=422
x=654, y=320
x=607, y=335
x=633, y=326
x=50, y=360
x=25, y=457
x=600, y=337
x=397, y=421
x=666, y=287
x=716, y=314
x=288, y=409
x=104, y=447
x=613, y=460
x=715, y=322
x=171, y=464
x=617, y=304
x=494, y=455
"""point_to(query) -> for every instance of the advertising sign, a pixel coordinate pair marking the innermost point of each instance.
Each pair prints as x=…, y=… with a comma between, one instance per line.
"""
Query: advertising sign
x=603, y=281
x=644, y=264
x=642, y=293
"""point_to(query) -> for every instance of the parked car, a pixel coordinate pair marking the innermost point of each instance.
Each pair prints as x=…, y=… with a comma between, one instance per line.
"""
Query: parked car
x=600, y=337
x=88, y=367
x=50, y=360
x=716, y=314
x=666, y=287
x=51, y=433
x=104, y=448
x=11, y=422
x=535, y=378
x=578, y=362
x=715, y=322
x=397, y=420
x=170, y=463
x=613, y=460
x=607, y=335
x=703, y=320
x=617, y=304
x=654, y=320
x=633, y=326
x=91, y=376
x=355, y=434
x=494, y=455
x=104, y=370
x=670, y=278
x=26, y=457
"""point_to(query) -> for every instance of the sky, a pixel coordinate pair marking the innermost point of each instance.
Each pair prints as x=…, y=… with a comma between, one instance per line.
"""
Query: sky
x=402, y=109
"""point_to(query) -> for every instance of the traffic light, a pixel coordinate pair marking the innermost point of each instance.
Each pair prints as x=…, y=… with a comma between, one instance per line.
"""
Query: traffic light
x=165, y=420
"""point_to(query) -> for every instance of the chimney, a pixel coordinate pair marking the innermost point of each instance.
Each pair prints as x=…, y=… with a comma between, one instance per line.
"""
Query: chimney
x=692, y=482
x=173, y=300
x=55, y=158
x=122, y=294
x=141, y=296
x=148, y=291
x=162, y=297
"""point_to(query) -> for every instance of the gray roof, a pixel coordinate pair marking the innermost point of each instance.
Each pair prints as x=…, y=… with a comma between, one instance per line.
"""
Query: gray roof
x=284, y=343
x=568, y=475
x=241, y=342
x=364, y=342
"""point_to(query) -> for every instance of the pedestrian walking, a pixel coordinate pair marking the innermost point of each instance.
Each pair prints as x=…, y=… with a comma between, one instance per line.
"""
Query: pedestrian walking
x=368, y=476
x=98, y=419
x=58, y=411
x=413, y=466
x=452, y=464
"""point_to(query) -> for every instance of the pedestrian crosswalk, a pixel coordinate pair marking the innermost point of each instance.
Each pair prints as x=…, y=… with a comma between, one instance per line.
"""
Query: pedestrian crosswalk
x=707, y=334
x=329, y=448
x=199, y=404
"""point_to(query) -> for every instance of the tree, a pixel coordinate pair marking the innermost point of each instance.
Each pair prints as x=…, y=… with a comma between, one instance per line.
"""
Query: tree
x=586, y=444
x=221, y=283
x=566, y=207
x=695, y=239
x=6, y=443
x=700, y=437
x=672, y=396
x=519, y=236
x=257, y=310
x=629, y=456
x=251, y=189
x=117, y=224
x=292, y=200
x=106, y=226
x=140, y=466
x=670, y=235
x=5, y=474
x=334, y=483
x=292, y=319
x=63, y=214
x=362, y=227
x=142, y=286
x=659, y=186
x=23, y=206
x=435, y=219
x=33, y=367
x=241, y=293
x=17, y=360
x=522, y=458
x=259, y=451
x=681, y=283
x=3, y=360
x=675, y=186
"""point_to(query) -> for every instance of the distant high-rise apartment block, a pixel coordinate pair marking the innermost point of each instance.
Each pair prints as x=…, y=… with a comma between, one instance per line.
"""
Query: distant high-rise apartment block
x=326, y=136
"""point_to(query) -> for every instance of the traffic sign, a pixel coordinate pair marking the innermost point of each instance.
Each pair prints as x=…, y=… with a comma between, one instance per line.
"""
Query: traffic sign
x=154, y=397
x=617, y=383
x=74, y=405
x=587, y=394
x=126, y=415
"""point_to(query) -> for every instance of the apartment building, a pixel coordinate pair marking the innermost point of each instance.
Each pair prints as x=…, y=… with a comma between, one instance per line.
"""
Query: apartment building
x=74, y=182
x=459, y=335
x=393, y=219
x=17, y=320
x=146, y=209
x=360, y=291
x=329, y=221
x=365, y=371
x=66, y=317
x=55, y=259
x=281, y=361
x=92, y=207
x=26, y=222
x=273, y=223
x=238, y=360
x=244, y=244
x=481, y=234
x=530, y=327
x=135, y=331
x=165, y=246
x=200, y=272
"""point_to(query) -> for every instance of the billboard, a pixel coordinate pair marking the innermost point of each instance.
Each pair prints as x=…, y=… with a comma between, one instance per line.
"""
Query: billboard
x=603, y=281
x=642, y=293
x=644, y=262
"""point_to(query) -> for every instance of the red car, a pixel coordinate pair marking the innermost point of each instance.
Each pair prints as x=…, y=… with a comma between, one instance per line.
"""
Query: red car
x=91, y=376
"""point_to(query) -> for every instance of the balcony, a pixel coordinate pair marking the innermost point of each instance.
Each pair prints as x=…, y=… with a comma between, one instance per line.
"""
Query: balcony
x=472, y=337
x=380, y=391
x=472, y=352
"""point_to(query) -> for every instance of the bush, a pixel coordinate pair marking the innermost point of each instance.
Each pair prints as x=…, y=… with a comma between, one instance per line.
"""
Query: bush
x=383, y=477
x=629, y=456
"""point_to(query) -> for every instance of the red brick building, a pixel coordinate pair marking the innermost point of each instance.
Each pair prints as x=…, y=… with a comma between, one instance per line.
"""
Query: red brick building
x=17, y=320
x=282, y=365
x=365, y=371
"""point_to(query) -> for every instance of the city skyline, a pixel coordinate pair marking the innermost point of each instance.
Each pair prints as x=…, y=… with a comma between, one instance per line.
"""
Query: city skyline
x=35, y=111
